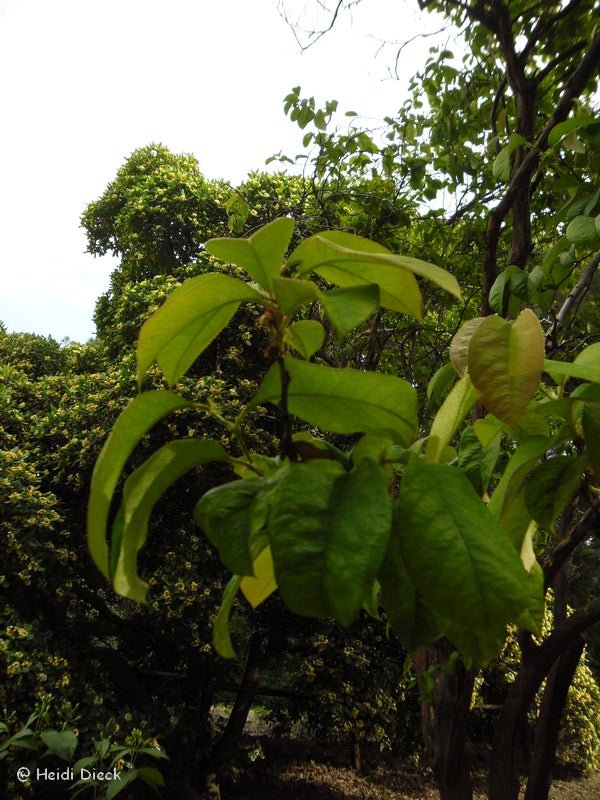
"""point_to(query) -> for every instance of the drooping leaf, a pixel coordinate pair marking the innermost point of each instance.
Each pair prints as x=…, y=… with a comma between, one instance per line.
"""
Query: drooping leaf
x=501, y=165
x=456, y=554
x=189, y=320
x=440, y=383
x=345, y=400
x=477, y=462
x=459, y=346
x=229, y=514
x=135, y=421
x=306, y=336
x=512, y=279
x=221, y=636
x=329, y=530
x=142, y=490
x=348, y=308
x=551, y=485
x=448, y=418
x=505, y=363
x=262, y=584
x=261, y=254
x=566, y=369
x=568, y=126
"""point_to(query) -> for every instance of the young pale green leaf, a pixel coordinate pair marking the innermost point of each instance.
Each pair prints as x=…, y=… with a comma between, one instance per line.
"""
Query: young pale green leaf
x=448, y=418
x=334, y=252
x=188, y=321
x=229, y=514
x=329, y=530
x=566, y=369
x=459, y=346
x=487, y=429
x=505, y=363
x=260, y=255
x=221, y=636
x=501, y=165
x=142, y=490
x=590, y=422
x=306, y=336
x=136, y=420
x=291, y=293
x=457, y=555
x=350, y=268
x=345, y=400
x=262, y=584
x=349, y=308
x=550, y=487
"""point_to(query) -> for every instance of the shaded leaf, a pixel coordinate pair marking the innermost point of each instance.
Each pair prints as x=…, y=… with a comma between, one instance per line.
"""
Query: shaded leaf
x=550, y=487
x=291, y=293
x=459, y=346
x=348, y=308
x=448, y=418
x=306, y=337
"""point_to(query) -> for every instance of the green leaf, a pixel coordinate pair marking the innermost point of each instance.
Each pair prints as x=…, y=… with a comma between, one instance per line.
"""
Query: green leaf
x=448, y=418
x=260, y=255
x=306, y=337
x=329, y=531
x=478, y=462
x=345, y=400
x=62, y=744
x=550, y=487
x=135, y=421
x=229, y=514
x=257, y=587
x=568, y=126
x=590, y=422
x=440, y=383
x=512, y=279
x=115, y=787
x=520, y=464
x=221, y=636
x=151, y=776
x=582, y=231
x=142, y=490
x=505, y=363
x=291, y=293
x=565, y=369
x=456, y=553
x=189, y=320
x=501, y=165
x=349, y=308
x=349, y=267
x=459, y=346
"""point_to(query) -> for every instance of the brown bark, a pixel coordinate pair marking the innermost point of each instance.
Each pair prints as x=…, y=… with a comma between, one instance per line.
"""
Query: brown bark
x=444, y=720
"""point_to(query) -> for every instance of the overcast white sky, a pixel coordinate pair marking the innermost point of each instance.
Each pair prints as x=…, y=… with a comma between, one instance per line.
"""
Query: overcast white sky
x=85, y=82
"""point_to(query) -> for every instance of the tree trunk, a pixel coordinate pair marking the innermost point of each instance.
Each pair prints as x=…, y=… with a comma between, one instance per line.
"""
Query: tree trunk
x=444, y=721
x=549, y=719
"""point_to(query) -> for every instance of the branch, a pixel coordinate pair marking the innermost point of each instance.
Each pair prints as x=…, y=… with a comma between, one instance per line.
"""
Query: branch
x=577, y=292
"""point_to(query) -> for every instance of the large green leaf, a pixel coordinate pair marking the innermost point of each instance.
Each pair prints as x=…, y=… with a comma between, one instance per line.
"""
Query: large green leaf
x=136, y=420
x=329, y=531
x=188, y=321
x=448, y=418
x=459, y=346
x=505, y=363
x=566, y=369
x=348, y=308
x=568, y=126
x=62, y=744
x=142, y=490
x=346, y=267
x=345, y=400
x=582, y=231
x=229, y=514
x=346, y=247
x=456, y=554
x=261, y=254
x=551, y=485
